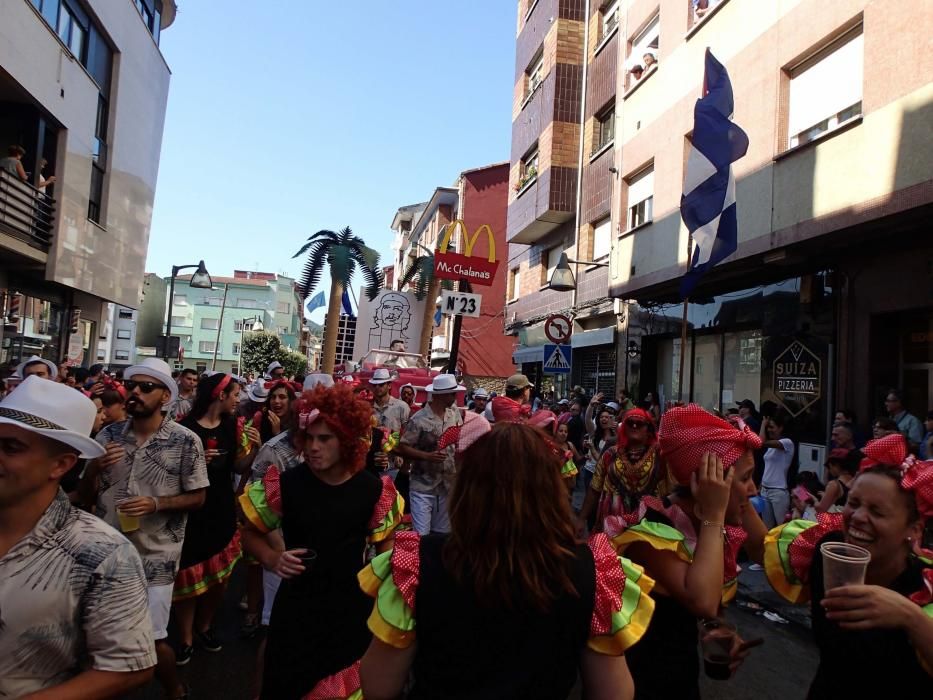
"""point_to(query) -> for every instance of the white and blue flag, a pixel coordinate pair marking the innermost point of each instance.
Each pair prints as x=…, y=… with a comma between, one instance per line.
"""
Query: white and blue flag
x=708, y=202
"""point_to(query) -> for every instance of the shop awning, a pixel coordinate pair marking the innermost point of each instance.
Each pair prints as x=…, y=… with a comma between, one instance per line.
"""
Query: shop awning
x=597, y=336
x=523, y=354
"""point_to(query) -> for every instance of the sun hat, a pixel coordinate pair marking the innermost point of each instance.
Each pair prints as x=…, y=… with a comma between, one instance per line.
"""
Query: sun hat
x=257, y=392
x=55, y=411
x=53, y=370
x=612, y=406
x=408, y=385
x=481, y=393
x=154, y=367
x=444, y=384
x=274, y=365
x=517, y=381
x=313, y=380
x=381, y=376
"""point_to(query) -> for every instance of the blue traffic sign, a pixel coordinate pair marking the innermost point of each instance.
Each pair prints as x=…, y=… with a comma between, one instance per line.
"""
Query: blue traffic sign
x=557, y=359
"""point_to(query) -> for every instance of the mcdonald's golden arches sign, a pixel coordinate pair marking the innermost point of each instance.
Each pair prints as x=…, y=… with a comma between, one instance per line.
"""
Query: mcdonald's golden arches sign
x=458, y=266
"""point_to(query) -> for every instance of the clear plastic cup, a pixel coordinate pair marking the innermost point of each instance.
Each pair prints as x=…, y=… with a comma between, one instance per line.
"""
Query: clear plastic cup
x=716, y=639
x=843, y=564
x=128, y=523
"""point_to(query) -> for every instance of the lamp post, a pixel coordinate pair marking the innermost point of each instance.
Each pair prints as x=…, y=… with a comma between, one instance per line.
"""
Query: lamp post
x=199, y=280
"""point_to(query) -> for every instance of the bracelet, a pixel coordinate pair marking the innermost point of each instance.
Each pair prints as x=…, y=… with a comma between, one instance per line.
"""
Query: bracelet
x=710, y=523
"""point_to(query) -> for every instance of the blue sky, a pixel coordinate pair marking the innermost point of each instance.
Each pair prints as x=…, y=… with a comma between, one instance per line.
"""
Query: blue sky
x=290, y=116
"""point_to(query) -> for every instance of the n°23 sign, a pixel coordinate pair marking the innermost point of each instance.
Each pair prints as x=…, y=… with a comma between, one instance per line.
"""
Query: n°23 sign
x=460, y=303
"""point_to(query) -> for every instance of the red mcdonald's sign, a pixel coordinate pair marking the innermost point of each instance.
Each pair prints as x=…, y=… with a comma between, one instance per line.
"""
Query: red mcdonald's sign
x=457, y=266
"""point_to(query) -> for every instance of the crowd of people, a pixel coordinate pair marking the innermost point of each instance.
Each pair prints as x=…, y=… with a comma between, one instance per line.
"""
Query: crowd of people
x=391, y=549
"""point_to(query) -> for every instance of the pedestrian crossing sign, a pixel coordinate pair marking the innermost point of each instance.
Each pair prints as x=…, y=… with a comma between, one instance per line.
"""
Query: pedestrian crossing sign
x=557, y=359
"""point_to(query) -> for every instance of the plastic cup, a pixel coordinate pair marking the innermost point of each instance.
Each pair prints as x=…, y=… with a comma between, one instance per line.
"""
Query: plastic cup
x=716, y=639
x=128, y=523
x=843, y=564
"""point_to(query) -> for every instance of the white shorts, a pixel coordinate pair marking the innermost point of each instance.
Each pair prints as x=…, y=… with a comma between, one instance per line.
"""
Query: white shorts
x=160, y=607
x=270, y=586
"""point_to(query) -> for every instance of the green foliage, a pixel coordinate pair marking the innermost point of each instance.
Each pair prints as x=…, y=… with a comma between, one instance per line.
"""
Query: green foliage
x=261, y=348
x=343, y=251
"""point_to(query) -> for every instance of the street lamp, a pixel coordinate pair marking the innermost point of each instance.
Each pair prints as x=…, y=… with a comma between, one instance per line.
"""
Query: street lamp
x=562, y=279
x=199, y=280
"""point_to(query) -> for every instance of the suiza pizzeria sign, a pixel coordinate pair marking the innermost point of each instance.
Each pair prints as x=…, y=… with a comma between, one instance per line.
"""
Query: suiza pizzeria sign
x=798, y=378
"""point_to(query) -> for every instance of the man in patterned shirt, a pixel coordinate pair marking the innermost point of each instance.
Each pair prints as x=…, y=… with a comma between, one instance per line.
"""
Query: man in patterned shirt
x=73, y=620
x=152, y=474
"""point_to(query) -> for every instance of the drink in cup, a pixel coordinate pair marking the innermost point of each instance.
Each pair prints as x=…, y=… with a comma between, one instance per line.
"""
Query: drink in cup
x=307, y=559
x=843, y=564
x=716, y=639
x=128, y=523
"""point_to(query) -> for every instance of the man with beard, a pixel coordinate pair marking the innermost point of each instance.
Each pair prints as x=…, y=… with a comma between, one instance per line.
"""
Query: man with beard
x=152, y=474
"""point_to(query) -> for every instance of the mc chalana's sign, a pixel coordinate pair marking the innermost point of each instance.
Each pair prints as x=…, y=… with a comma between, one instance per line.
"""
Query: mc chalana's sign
x=798, y=378
x=464, y=266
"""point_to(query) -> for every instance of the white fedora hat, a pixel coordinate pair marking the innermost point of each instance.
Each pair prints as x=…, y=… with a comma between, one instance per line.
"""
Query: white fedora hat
x=274, y=365
x=381, y=376
x=313, y=380
x=481, y=393
x=444, y=384
x=53, y=370
x=55, y=411
x=257, y=391
x=154, y=367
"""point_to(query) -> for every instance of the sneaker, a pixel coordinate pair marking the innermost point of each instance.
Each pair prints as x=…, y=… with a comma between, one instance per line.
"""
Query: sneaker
x=207, y=641
x=183, y=655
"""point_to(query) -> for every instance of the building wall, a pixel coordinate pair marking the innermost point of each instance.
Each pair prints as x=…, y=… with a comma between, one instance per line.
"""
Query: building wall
x=875, y=167
x=105, y=261
x=151, y=317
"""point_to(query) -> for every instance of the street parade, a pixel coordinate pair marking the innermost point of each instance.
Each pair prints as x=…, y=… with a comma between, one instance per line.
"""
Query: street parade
x=632, y=400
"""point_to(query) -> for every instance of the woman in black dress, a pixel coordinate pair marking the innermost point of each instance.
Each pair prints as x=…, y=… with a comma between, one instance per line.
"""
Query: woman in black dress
x=212, y=543
x=509, y=604
x=875, y=639
x=330, y=509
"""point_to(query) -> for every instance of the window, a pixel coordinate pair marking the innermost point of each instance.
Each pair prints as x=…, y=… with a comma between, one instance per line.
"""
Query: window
x=212, y=301
x=641, y=198
x=96, y=195
x=534, y=75
x=206, y=346
x=529, y=168
x=550, y=258
x=184, y=339
x=602, y=238
x=200, y=367
x=283, y=307
x=121, y=355
x=210, y=324
x=643, y=56
x=247, y=303
x=73, y=26
x=514, y=283
x=236, y=348
x=701, y=8
x=126, y=313
x=610, y=18
x=604, y=132
x=180, y=300
x=238, y=326
x=124, y=334
x=826, y=91
x=151, y=13
x=181, y=321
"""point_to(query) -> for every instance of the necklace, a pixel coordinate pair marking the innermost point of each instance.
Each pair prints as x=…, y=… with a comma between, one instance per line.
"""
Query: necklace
x=637, y=473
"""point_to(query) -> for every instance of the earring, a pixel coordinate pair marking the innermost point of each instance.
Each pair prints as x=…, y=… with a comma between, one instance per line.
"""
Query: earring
x=910, y=539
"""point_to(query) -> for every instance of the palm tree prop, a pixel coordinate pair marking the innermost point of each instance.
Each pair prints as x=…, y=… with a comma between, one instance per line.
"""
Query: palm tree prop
x=420, y=275
x=343, y=251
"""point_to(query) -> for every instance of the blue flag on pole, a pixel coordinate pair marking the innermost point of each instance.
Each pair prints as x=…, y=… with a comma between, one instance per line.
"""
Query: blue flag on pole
x=708, y=202
x=437, y=317
x=345, y=301
x=315, y=302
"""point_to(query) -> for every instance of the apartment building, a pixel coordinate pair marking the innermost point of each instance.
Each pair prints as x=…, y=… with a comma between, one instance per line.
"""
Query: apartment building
x=116, y=346
x=561, y=184
x=212, y=323
x=83, y=88
x=828, y=300
x=478, y=198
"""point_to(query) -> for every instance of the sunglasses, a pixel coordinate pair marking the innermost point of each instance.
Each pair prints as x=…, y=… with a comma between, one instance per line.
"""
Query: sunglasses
x=635, y=424
x=145, y=387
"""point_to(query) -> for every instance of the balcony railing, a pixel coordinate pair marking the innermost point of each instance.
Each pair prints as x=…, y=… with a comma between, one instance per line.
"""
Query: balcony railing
x=25, y=212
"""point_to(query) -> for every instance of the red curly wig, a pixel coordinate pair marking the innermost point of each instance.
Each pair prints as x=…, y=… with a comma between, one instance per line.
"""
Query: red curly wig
x=348, y=416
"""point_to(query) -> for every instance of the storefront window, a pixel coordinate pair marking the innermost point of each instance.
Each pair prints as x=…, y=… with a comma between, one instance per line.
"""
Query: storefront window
x=741, y=368
x=31, y=326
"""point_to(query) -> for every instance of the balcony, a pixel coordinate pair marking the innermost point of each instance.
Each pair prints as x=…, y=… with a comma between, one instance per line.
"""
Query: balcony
x=25, y=212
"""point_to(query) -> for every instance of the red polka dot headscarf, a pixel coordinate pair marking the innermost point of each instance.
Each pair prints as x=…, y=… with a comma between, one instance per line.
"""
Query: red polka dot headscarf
x=689, y=432
x=636, y=414
x=890, y=450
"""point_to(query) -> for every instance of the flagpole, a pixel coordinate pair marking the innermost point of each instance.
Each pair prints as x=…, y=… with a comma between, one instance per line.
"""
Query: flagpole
x=683, y=326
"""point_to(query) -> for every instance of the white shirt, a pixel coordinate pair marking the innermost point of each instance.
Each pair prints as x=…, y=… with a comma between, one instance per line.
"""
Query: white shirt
x=777, y=462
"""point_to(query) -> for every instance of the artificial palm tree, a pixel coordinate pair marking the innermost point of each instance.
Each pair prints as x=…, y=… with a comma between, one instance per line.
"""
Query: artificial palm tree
x=420, y=275
x=343, y=252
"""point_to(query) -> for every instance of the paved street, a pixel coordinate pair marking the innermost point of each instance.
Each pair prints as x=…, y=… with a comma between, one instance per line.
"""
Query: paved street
x=781, y=669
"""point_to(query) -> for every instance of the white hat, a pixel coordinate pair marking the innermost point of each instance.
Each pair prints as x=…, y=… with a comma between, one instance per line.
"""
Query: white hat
x=53, y=370
x=481, y=393
x=563, y=402
x=313, y=380
x=612, y=405
x=257, y=391
x=444, y=384
x=154, y=367
x=15, y=377
x=55, y=411
x=274, y=365
x=409, y=385
x=380, y=376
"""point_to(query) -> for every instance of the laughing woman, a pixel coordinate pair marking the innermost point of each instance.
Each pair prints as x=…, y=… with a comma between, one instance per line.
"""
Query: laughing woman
x=874, y=639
